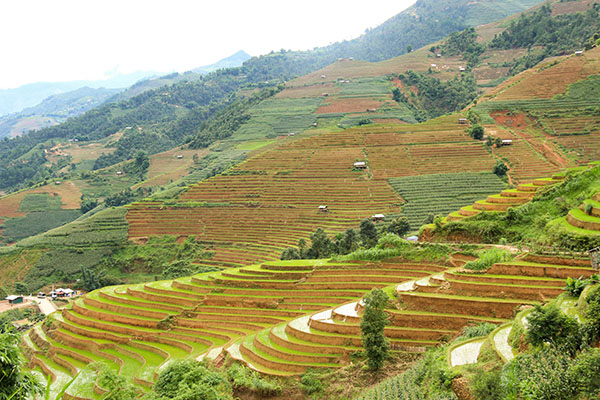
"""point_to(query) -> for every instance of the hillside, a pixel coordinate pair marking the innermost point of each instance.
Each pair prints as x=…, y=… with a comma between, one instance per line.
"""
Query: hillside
x=180, y=250
x=54, y=110
x=315, y=107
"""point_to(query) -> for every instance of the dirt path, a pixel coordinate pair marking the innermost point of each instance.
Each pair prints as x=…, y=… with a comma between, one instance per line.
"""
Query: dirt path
x=45, y=305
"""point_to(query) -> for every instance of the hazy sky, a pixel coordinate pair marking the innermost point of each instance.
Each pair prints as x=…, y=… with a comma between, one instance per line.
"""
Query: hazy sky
x=60, y=40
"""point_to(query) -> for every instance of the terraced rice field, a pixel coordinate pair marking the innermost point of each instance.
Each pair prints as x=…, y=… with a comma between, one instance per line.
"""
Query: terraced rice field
x=279, y=317
x=442, y=193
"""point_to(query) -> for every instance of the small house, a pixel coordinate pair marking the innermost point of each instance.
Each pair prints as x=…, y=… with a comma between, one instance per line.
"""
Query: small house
x=41, y=295
x=314, y=124
x=371, y=110
x=14, y=299
x=351, y=59
x=579, y=53
x=506, y=142
x=413, y=239
x=463, y=121
x=462, y=69
x=292, y=134
x=119, y=173
x=325, y=94
x=438, y=55
x=179, y=156
x=323, y=209
x=360, y=165
x=377, y=217
x=323, y=76
x=434, y=65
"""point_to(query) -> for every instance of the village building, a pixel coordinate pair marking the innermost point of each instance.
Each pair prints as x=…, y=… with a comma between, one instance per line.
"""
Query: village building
x=179, y=156
x=579, y=53
x=323, y=209
x=14, y=299
x=506, y=142
x=463, y=121
x=292, y=134
x=360, y=165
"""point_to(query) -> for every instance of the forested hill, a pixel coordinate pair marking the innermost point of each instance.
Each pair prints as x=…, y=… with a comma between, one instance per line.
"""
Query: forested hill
x=167, y=116
x=427, y=21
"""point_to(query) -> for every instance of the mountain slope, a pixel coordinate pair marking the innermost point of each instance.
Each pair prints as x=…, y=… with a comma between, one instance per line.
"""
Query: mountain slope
x=54, y=110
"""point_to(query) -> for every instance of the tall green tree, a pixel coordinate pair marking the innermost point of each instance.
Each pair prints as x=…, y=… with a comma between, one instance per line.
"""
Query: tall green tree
x=372, y=324
x=368, y=233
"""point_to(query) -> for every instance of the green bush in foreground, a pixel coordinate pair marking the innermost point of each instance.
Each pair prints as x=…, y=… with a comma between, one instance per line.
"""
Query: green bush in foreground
x=191, y=380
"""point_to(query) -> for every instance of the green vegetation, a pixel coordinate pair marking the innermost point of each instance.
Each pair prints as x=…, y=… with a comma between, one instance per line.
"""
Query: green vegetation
x=558, y=34
x=372, y=323
x=15, y=229
x=435, y=97
x=428, y=378
x=15, y=382
x=487, y=258
x=465, y=44
x=189, y=380
x=442, y=193
x=537, y=222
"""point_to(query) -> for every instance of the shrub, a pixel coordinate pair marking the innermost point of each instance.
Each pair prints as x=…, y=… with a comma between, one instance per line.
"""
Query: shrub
x=487, y=384
x=575, y=286
x=550, y=325
x=586, y=369
x=481, y=329
x=244, y=378
x=189, y=380
x=500, y=168
x=488, y=258
x=310, y=383
x=542, y=375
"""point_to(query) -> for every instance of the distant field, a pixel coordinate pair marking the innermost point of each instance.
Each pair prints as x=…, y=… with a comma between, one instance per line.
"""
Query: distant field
x=443, y=193
x=166, y=167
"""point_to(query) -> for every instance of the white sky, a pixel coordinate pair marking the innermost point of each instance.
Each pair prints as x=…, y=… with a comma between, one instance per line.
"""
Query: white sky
x=63, y=40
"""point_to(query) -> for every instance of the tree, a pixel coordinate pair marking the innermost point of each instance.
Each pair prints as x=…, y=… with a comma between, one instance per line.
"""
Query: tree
x=372, y=325
x=21, y=288
x=15, y=383
x=477, y=132
x=550, y=325
x=399, y=226
x=368, y=233
x=500, y=168
x=321, y=245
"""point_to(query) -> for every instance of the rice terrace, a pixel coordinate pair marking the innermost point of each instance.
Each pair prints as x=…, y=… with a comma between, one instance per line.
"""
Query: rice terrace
x=413, y=214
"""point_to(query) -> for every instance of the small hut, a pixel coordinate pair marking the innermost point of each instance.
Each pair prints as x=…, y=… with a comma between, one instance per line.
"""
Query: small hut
x=14, y=299
x=579, y=53
x=463, y=121
x=292, y=134
x=360, y=165
x=377, y=217
x=323, y=209
x=179, y=156
x=506, y=142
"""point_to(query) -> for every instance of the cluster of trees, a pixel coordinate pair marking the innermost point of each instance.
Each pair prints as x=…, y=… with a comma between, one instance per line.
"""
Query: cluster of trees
x=557, y=34
x=464, y=43
x=321, y=246
x=433, y=96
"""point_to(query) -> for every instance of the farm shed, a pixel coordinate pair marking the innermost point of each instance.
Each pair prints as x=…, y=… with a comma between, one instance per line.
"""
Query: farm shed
x=292, y=134
x=579, y=53
x=378, y=217
x=179, y=156
x=506, y=142
x=462, y=121
x=360, y=165
x=14, y=299
x=323, y=209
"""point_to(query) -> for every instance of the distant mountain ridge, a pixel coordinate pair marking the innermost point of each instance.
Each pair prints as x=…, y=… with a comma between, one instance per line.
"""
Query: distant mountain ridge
x=232, y=61
x=17, y=99
x=54, y=110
